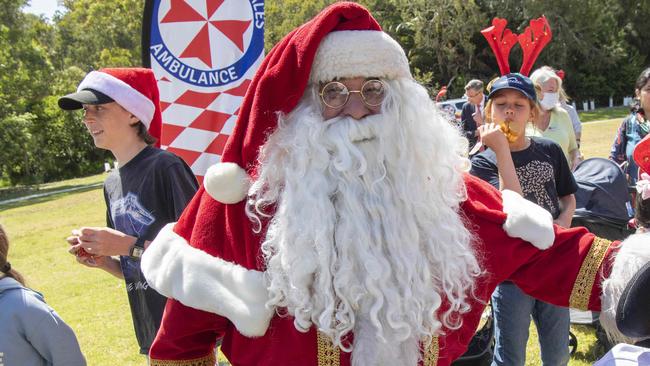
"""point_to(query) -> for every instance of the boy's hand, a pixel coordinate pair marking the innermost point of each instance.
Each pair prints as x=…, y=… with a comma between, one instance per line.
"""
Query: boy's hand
x=82, y=256
x=103, y=241
x=492, y=136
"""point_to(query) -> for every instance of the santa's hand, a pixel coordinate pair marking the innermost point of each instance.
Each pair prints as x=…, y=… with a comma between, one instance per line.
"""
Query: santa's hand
x=492, y=136
x=104, y=241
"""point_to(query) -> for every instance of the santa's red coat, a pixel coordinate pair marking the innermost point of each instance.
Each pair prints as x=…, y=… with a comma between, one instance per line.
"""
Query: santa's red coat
x=568, y=273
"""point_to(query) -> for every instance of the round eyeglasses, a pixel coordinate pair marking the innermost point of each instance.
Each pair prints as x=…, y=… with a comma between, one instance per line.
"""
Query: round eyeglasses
x=335, y=94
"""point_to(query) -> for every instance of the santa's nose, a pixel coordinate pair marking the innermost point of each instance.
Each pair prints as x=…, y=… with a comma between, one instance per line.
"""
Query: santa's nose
x=355, y=107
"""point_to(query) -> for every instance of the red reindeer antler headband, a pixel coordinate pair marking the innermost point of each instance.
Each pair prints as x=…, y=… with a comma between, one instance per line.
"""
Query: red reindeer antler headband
x=534, y=38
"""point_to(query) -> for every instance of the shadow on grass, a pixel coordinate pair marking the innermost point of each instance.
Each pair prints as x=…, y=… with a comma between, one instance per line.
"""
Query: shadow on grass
x=595, y=349
x=49, y=194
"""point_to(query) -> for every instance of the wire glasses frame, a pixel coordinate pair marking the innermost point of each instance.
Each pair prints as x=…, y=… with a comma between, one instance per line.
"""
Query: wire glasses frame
x=336, y=95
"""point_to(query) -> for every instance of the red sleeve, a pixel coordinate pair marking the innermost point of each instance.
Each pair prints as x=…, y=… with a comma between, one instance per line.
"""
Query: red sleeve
x=187, y=336
x=569, y=273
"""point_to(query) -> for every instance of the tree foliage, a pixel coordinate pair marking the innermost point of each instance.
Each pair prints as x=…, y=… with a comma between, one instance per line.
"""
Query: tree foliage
x=602, y=46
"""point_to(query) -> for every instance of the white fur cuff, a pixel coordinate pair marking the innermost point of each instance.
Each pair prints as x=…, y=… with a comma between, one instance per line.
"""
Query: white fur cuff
x=527, y=220
x=198, y=280
x=634, y=254
x=359, y=53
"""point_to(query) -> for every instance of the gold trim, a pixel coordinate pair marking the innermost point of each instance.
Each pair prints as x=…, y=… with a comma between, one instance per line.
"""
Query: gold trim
x=209, y=360
x=328, y=354
x=432, y=354
x=581, y=291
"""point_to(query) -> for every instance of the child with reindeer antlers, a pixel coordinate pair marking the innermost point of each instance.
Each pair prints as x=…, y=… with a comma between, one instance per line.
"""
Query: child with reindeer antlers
x=535, y=168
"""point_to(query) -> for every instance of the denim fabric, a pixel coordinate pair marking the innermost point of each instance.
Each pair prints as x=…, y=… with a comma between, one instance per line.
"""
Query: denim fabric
x=512, y=312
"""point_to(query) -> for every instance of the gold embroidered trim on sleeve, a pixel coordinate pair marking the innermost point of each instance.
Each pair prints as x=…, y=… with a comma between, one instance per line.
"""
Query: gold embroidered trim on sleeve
x=328, y=354
x=432, y=354
x=587, y=276
x=209, y=360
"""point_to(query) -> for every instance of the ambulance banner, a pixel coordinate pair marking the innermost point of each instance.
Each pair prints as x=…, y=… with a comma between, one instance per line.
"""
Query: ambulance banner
x=204, y=54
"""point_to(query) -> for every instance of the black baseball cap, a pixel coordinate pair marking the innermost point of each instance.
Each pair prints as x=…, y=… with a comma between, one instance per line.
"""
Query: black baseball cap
x=632, y=315
x=76, y=100
x=515, y=81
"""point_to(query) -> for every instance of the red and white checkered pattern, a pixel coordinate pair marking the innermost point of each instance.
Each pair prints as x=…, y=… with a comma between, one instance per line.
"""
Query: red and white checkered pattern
x=197, y=123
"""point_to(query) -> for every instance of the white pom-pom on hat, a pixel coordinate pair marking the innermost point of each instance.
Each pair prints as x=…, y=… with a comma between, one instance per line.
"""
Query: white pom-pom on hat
x=226, y=182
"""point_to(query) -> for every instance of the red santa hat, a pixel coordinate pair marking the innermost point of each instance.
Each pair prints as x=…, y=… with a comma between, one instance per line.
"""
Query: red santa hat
x=342, y=41
x=135, y=89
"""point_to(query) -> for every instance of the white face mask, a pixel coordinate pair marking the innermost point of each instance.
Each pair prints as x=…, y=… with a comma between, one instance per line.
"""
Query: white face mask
x=550, y=100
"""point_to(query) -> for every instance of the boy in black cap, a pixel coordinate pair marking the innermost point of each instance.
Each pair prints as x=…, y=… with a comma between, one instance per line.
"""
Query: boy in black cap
x=536, y=169
x=150, y=189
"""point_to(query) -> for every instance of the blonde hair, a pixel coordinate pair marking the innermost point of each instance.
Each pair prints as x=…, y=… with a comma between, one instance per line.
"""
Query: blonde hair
x=4, y=249
x=546, y=73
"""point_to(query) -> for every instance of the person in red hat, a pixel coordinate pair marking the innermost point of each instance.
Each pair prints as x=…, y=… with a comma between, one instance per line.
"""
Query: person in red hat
x=150, y=189
x=341, y=226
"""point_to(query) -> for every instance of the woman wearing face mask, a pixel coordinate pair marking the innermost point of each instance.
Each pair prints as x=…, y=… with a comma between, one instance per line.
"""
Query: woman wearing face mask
x=634, y=127
x=554, y=122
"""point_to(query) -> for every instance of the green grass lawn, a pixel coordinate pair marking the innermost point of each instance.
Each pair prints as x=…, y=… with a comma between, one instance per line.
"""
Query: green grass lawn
x=601, y=114
x=597, y=137
x=94, y=303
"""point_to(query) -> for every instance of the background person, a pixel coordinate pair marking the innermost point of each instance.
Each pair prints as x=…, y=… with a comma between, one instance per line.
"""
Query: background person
x=537, y=169
x=150, y=188
x=633, y=128
x=471, y=116
x=564, y=103
x=32, y=333
x=554, y=122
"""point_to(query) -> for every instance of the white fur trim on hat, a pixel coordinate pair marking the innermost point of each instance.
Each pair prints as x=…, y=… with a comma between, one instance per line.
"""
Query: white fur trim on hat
x=226, y=182
x=201, y=281
x=124, y=94
x=356, y=53
x=633, y=254
x=527, y=220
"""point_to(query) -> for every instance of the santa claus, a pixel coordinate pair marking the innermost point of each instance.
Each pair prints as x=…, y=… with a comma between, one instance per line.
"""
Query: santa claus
x=341, y=227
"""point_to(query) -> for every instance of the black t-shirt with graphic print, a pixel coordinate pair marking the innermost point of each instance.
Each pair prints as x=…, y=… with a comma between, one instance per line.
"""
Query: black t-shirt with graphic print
x=542, y=169
x=148, y=192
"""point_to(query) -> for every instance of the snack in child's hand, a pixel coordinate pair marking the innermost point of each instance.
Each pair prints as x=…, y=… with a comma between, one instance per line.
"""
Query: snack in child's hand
x=511, y=135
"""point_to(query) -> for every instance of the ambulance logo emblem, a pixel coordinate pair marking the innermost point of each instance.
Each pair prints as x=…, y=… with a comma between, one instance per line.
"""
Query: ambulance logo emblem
x=207, y=43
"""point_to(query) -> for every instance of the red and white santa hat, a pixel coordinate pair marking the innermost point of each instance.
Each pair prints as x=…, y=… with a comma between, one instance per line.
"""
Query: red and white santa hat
x=135, y=89
x=342, y=41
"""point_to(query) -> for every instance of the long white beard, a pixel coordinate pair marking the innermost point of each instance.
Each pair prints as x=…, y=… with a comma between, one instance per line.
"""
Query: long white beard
x=365, y=236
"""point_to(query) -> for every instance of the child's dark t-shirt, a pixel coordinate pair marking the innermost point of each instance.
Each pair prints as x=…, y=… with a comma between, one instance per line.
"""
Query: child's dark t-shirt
x=542, y=169
x=148, y=192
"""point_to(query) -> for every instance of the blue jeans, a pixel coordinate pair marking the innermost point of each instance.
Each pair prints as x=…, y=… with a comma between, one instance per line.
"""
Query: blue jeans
x=512, y=312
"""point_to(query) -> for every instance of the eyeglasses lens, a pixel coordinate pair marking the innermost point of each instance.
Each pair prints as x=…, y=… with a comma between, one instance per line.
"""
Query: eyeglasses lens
x=373, y=92
x=335, y=94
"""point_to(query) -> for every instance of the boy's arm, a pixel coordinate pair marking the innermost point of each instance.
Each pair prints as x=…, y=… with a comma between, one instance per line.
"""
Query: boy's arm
x=108, y=264
x=567, y=208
